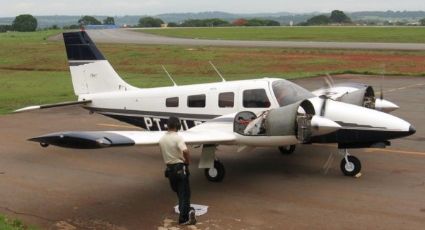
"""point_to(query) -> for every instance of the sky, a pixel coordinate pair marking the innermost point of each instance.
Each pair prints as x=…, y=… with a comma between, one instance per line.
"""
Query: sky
x=10, y=8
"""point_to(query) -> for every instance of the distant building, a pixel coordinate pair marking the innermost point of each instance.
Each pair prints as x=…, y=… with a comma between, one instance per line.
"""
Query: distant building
x=164, y=25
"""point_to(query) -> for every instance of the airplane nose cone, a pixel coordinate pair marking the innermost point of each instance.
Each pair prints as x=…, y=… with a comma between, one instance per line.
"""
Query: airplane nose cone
x=412, y=130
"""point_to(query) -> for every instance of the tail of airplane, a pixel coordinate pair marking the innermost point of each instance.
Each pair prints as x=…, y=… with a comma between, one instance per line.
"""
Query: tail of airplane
x=90, y=71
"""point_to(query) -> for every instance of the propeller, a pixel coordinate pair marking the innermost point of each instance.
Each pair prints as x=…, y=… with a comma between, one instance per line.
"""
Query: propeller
x=329, y=83
x=381, y=96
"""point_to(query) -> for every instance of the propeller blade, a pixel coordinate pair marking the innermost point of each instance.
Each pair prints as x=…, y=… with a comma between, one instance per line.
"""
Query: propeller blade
x=329, y=83
x=330, y=79
x=381, y=96
x=323, y=108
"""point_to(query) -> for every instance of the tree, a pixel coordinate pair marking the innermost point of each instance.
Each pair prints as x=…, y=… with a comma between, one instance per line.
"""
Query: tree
x=338, y=16
x=24, y=23
x=88, y=20
x=240, y=22
x=109, y=21
x=255, y=22
x=261, y=22
x=422, y=21
x=150, y=22
x=214, y=22
x=271, y=23
x=173, y=24
x=71, y=27
x=5, y=28
x=319, y=20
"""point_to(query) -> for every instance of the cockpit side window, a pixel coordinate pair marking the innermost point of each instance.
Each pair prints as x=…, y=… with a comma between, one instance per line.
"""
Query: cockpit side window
x=255, y=98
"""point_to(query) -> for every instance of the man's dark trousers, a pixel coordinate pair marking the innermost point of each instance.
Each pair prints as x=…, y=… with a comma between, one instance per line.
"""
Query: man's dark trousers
x=178, y=174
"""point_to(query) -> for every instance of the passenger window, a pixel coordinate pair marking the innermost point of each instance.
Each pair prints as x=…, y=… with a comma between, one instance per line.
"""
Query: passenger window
x=226, y=100
x=197, y=101
x=172, y=102
x=255, y=98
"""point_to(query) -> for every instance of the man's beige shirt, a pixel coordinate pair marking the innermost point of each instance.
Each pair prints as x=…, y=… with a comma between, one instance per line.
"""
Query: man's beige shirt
x=172, y=147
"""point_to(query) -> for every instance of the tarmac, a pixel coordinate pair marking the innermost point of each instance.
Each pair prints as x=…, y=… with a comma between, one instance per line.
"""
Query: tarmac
x=132, y=37
x=124, y=188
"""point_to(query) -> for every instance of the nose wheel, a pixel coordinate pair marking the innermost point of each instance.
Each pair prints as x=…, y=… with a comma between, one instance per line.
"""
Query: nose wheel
x=215, y=174
x=350, y=165
x=286, y=150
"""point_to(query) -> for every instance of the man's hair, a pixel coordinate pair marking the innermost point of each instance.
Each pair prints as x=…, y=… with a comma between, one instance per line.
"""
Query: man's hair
x=173, y=123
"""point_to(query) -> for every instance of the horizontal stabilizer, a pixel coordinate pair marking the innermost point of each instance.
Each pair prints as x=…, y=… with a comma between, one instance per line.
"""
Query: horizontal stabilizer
x=47, y=106
x=84, y=140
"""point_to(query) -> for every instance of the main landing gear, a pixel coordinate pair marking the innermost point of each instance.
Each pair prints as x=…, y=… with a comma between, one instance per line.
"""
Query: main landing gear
x=350, y=165
x=217, y=173
x=213, y=168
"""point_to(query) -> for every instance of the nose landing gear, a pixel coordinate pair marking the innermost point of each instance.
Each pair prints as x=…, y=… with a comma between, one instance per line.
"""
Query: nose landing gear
x=287, y=150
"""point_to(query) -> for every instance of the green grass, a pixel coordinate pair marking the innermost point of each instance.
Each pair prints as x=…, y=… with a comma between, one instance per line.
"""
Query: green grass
x=10, y=224
x=34, y=70
x=330, y=33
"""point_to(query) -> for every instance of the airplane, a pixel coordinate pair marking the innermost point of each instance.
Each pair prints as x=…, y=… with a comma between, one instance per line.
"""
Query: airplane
x=247, y=113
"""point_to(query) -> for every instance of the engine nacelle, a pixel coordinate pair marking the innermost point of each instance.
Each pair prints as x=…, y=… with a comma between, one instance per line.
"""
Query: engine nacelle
x=357, y=94
x=296, y=119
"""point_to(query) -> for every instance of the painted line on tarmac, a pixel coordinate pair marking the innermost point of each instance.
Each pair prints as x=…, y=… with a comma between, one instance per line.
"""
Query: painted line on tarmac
x=117, y=126
x=405, y=87
x=396, y=151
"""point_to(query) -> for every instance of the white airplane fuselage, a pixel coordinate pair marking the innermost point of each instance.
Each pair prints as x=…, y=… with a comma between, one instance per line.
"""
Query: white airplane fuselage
x=147, y=108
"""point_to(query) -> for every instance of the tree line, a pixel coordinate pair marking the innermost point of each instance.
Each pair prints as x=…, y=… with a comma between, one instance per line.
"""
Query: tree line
x=27, y=22
x=209, y=22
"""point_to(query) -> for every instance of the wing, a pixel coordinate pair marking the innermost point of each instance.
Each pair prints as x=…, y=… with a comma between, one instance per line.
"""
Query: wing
x=215, y=131
x=339, y=90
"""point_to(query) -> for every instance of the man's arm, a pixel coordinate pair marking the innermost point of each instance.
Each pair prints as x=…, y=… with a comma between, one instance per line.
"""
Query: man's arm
x=185, y=150
x=186, y=156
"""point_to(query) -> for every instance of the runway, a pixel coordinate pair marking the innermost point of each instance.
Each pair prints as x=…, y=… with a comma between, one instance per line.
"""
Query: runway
x=133, y=37
x=124, y=188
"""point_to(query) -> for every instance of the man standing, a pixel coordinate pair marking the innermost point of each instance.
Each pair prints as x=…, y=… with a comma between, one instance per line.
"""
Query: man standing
x=176, y=156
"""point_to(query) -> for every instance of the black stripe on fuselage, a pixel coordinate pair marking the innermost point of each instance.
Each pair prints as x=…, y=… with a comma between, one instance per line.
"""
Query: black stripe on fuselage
x=152, y=120
x=152, y=113
x=352, y=136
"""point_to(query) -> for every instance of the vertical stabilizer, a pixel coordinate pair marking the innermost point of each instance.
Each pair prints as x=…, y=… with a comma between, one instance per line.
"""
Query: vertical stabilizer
x=90, y=71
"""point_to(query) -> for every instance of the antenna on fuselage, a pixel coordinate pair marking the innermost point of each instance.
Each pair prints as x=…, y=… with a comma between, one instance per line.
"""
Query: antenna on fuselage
x=218, y=72
x=168, y=74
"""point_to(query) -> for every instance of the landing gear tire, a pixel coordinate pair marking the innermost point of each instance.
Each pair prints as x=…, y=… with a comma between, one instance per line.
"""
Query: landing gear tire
x=44, y=145
x=286, y=150
x=217, y=173
x=352, y=167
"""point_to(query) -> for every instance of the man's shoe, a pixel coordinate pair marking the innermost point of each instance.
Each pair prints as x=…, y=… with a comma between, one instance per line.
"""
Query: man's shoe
x=192, y=218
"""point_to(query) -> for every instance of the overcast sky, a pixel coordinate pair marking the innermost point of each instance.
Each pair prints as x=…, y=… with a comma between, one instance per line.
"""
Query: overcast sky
x=152, y=7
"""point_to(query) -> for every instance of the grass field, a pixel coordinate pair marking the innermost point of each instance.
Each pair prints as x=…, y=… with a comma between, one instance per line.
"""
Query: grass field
x=34, y=70
x=339, y=34
x=9, y=224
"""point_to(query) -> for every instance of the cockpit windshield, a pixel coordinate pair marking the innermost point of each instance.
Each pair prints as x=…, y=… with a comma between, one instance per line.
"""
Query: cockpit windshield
x=287, y=92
